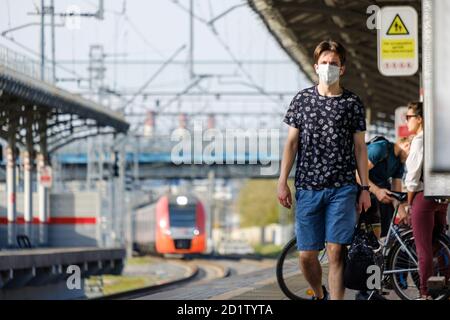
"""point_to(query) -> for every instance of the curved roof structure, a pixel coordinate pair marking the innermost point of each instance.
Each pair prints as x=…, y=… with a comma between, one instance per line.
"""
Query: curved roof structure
x=299, y=25
x=35, y=112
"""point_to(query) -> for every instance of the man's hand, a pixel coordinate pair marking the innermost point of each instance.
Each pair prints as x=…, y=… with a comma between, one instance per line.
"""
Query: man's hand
x=364, y=201
x=284, y=195
x=383, y=195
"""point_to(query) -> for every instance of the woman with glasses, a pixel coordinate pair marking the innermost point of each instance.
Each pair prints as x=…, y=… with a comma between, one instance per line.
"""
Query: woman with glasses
x=428, y=217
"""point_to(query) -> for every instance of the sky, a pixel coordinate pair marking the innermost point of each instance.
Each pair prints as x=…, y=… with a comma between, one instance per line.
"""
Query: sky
x=153, y=31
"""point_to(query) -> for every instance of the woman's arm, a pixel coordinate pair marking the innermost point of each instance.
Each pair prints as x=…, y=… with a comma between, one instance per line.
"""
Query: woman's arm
x=414, y=166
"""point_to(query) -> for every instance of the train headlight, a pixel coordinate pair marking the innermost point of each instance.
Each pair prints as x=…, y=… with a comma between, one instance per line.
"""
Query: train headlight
x=196, y=232
x=182, y=200
x=162, y=224
x=167, y=232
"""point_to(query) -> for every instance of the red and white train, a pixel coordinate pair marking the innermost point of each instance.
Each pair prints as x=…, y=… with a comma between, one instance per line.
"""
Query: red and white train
x=175, y=224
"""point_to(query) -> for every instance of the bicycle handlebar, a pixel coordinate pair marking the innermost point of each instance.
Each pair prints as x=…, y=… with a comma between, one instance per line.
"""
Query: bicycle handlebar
x=400, y=196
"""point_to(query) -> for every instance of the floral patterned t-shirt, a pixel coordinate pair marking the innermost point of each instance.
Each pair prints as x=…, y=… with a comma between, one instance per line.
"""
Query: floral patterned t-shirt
x=326, y=126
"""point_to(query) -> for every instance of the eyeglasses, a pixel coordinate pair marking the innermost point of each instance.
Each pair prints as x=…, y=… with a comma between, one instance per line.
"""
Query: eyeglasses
x=409, y=116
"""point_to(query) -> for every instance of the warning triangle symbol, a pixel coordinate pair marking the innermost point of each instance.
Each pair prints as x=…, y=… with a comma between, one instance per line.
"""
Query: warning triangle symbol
x=398, y=27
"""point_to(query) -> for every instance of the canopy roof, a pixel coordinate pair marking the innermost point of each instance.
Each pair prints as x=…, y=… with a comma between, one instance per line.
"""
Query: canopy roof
x=299, y=25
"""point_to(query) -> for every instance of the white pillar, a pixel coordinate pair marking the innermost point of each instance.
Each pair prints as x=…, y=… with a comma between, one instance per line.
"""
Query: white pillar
x=11, y=193
x=28, y=192
x=11, y=184
x=42, y=202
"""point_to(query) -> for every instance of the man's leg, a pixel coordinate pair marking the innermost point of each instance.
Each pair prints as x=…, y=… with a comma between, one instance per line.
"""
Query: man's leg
x=340, y=221
x=310, y=266
x=336, y=272
x=310, y=232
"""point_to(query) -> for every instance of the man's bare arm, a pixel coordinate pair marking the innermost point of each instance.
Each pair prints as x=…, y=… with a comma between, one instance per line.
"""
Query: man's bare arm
x=381, y=193
x=289, y=154
x=362, y=167
x=361, y=157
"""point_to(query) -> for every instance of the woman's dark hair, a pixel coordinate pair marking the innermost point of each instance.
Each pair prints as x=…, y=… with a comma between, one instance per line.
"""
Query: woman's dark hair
x=417, y=107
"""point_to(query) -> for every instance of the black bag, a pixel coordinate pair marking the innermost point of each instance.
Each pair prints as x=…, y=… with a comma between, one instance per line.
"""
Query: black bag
x=360, y=256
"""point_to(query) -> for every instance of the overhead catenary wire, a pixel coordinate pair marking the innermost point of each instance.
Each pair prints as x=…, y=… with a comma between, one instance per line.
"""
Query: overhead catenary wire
x=192, y=84
x=216, y=34
x=143, y=38
x=251, y=82
x=153, y=77
x=210, y=23
x=188, y=11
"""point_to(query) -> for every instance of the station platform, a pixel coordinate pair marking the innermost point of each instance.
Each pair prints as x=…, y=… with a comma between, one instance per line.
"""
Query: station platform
x=259, y=285
x=42, y=273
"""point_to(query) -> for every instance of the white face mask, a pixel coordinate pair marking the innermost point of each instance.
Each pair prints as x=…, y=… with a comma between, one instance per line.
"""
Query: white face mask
x=328, y=74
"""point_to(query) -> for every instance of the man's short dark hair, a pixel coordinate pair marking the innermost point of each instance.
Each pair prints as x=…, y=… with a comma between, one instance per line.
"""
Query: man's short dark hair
x=330, y=45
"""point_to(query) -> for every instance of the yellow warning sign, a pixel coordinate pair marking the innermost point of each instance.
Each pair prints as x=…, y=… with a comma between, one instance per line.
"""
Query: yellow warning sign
x=398, y=27
x=398, y=41
x=398, y=49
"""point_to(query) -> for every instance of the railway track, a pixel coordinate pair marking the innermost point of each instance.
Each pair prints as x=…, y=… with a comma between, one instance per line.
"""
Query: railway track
x=200, y=272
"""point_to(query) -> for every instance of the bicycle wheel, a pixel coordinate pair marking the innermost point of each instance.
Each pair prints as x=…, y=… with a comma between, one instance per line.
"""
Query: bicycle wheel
x=404, y=232
x=290, y=279
x=407, y=283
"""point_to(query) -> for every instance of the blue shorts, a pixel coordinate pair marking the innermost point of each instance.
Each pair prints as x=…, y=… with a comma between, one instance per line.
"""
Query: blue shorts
x=327, y=215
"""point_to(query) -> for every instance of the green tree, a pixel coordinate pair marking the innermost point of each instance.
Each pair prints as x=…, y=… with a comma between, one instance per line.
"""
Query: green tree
x=258, y=204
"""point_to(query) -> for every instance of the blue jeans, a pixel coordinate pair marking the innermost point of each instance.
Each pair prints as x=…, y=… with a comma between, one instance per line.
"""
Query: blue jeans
x=327, y=215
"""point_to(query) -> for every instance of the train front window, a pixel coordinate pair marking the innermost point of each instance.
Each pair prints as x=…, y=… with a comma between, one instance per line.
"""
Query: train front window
x=182, y=216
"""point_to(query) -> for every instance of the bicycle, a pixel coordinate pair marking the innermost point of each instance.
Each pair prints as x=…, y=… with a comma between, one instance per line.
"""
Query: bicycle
x=398, y=264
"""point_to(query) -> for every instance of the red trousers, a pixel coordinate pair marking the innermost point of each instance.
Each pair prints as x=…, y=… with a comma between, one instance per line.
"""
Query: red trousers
x=428, y=218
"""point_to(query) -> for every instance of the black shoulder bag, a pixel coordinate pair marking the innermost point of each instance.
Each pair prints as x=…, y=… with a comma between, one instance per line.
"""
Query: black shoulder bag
x=360, y=257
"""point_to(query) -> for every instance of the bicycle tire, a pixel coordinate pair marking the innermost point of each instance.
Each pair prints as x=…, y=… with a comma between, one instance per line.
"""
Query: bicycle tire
x=282, y=271
x=387, y=278
x=395, y=252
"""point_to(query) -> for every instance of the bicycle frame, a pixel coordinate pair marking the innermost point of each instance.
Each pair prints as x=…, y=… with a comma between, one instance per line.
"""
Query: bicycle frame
x=397, y=235
x=385, y=247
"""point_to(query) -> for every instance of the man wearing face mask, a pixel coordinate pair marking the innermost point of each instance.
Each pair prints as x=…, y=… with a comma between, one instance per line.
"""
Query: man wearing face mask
x=327, y=134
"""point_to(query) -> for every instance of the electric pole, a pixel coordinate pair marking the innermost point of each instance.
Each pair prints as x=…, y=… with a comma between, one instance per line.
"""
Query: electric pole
x=191, y=38
x=42, y=39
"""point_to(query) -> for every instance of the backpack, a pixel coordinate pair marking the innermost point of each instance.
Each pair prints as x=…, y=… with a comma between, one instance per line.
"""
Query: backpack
x=378, y=139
